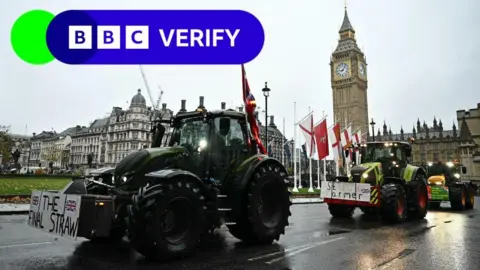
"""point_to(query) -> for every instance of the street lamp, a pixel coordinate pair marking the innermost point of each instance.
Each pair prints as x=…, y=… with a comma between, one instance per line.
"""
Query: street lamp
x=373, y=129
x=30, y=152
x=266, y=93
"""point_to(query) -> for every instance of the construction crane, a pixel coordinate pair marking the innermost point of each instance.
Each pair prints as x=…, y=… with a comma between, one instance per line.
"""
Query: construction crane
x=155, y=105
x=144, y=77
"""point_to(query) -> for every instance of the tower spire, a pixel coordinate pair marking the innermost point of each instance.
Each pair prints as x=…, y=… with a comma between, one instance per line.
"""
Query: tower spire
x=346, y=25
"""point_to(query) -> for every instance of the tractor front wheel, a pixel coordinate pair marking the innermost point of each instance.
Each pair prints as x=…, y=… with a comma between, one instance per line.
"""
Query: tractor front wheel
x=393, y=203
x=167, y=220
x=458, y=197
x=267, y=207
x=418, y=198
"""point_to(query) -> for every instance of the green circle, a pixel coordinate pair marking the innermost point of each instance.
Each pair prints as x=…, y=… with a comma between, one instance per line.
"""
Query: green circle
x=29, y=37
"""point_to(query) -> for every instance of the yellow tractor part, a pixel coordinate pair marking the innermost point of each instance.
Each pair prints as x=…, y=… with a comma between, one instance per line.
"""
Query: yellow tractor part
x=438, y=180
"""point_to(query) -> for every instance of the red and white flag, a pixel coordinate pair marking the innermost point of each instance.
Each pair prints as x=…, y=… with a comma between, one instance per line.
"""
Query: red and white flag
x=307, y=129
x=346, y=137
x=334, y=135
x=321, y=137
x=357, y=137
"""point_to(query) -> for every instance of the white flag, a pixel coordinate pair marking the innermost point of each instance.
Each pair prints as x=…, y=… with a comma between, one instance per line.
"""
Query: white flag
x=306, y=127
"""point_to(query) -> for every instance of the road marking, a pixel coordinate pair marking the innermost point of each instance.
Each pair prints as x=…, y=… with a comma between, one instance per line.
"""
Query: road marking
x=26, y=245
x=279, y=252
x=298, y=251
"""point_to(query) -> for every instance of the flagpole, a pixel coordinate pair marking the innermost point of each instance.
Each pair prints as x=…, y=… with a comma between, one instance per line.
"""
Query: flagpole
x=310, y=162
x=283, y=143
x=295, y=189
x=300, y=167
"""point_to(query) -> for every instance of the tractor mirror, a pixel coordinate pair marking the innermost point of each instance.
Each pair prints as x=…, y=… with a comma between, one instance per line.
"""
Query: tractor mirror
x=464, y=170
x=224, y=126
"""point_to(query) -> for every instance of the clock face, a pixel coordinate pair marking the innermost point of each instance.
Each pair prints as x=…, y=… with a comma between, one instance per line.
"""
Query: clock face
x=342, y=70
x=361, y=69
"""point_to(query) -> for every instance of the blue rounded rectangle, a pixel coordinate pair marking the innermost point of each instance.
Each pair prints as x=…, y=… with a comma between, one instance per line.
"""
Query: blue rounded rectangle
x=188, y=37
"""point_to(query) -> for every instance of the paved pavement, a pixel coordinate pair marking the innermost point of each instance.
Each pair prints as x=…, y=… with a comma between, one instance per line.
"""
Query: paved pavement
x=444, y=240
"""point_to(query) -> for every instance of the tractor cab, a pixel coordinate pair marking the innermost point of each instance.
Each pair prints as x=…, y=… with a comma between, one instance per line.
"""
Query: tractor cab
x=213, y=140
x=393, y=156
x=445, y=173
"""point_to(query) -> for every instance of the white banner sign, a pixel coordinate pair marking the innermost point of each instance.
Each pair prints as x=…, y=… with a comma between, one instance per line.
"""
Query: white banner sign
x=55, y=213
x=345, y=191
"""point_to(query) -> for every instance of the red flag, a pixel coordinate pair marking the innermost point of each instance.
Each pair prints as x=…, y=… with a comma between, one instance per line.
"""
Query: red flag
x=321, y=136
x=250, y=104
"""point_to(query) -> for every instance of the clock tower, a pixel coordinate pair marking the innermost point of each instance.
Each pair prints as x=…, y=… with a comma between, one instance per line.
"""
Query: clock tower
x=348, y=69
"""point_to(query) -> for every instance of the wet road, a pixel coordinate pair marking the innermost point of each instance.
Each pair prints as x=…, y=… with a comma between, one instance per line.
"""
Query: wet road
x=444, y=240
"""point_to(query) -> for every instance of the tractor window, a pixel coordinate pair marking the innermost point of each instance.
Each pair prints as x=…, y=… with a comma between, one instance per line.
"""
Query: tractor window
x=235, y=136
x=193, y=134
x=378, y=153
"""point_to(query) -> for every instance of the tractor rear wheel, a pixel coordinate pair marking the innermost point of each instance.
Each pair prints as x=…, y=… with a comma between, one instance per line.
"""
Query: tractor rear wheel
x=418, y=201
x=471, y=198
x=267, y=207
x=393, y=203
x=340, y=211
x=458, y=197
x=369, y=211
x=167, y=220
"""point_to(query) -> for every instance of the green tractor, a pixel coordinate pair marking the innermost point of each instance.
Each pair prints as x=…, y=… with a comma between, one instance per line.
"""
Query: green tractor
x=383, y=184
x=166, y=199
x=446, y=183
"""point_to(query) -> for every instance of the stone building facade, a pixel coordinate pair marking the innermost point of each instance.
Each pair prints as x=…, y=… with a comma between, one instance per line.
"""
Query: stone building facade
x=431, y=142
x=469, y=140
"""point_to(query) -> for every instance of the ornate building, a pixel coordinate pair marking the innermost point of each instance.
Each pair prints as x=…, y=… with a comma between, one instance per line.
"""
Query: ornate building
x=431, y=143
x=469, y=141
x=349, y=83
x=130, y=130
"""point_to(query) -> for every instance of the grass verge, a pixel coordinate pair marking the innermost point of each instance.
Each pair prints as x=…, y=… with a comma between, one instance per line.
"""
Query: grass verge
x=304, y=191
x=14, y=186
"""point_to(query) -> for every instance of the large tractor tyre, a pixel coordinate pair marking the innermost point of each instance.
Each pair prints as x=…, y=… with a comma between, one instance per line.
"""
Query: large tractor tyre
x=471, y=198
x=340, y=211
x=458, y=197
x=434, y=205
x=418, y=201
x=369, y=211
x=116, y=235
x=393, y=203
x=166, y=220
x=266, y=209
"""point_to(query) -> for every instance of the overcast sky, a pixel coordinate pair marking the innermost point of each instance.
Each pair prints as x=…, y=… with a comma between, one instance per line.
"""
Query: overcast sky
x=422, y=62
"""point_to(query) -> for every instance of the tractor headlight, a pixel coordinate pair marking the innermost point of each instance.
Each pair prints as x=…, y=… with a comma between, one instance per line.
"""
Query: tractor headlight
x=365, y=175
x=457, y=175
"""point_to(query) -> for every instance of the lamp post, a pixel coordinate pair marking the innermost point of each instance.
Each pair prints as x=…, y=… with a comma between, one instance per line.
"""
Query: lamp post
x=30, y=152
x=266, y=93
x=373, y=129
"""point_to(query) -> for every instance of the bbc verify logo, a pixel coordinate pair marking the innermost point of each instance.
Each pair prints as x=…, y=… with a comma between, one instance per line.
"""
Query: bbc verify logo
x=132, y=37
x=137, y=37
x=108, y=37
